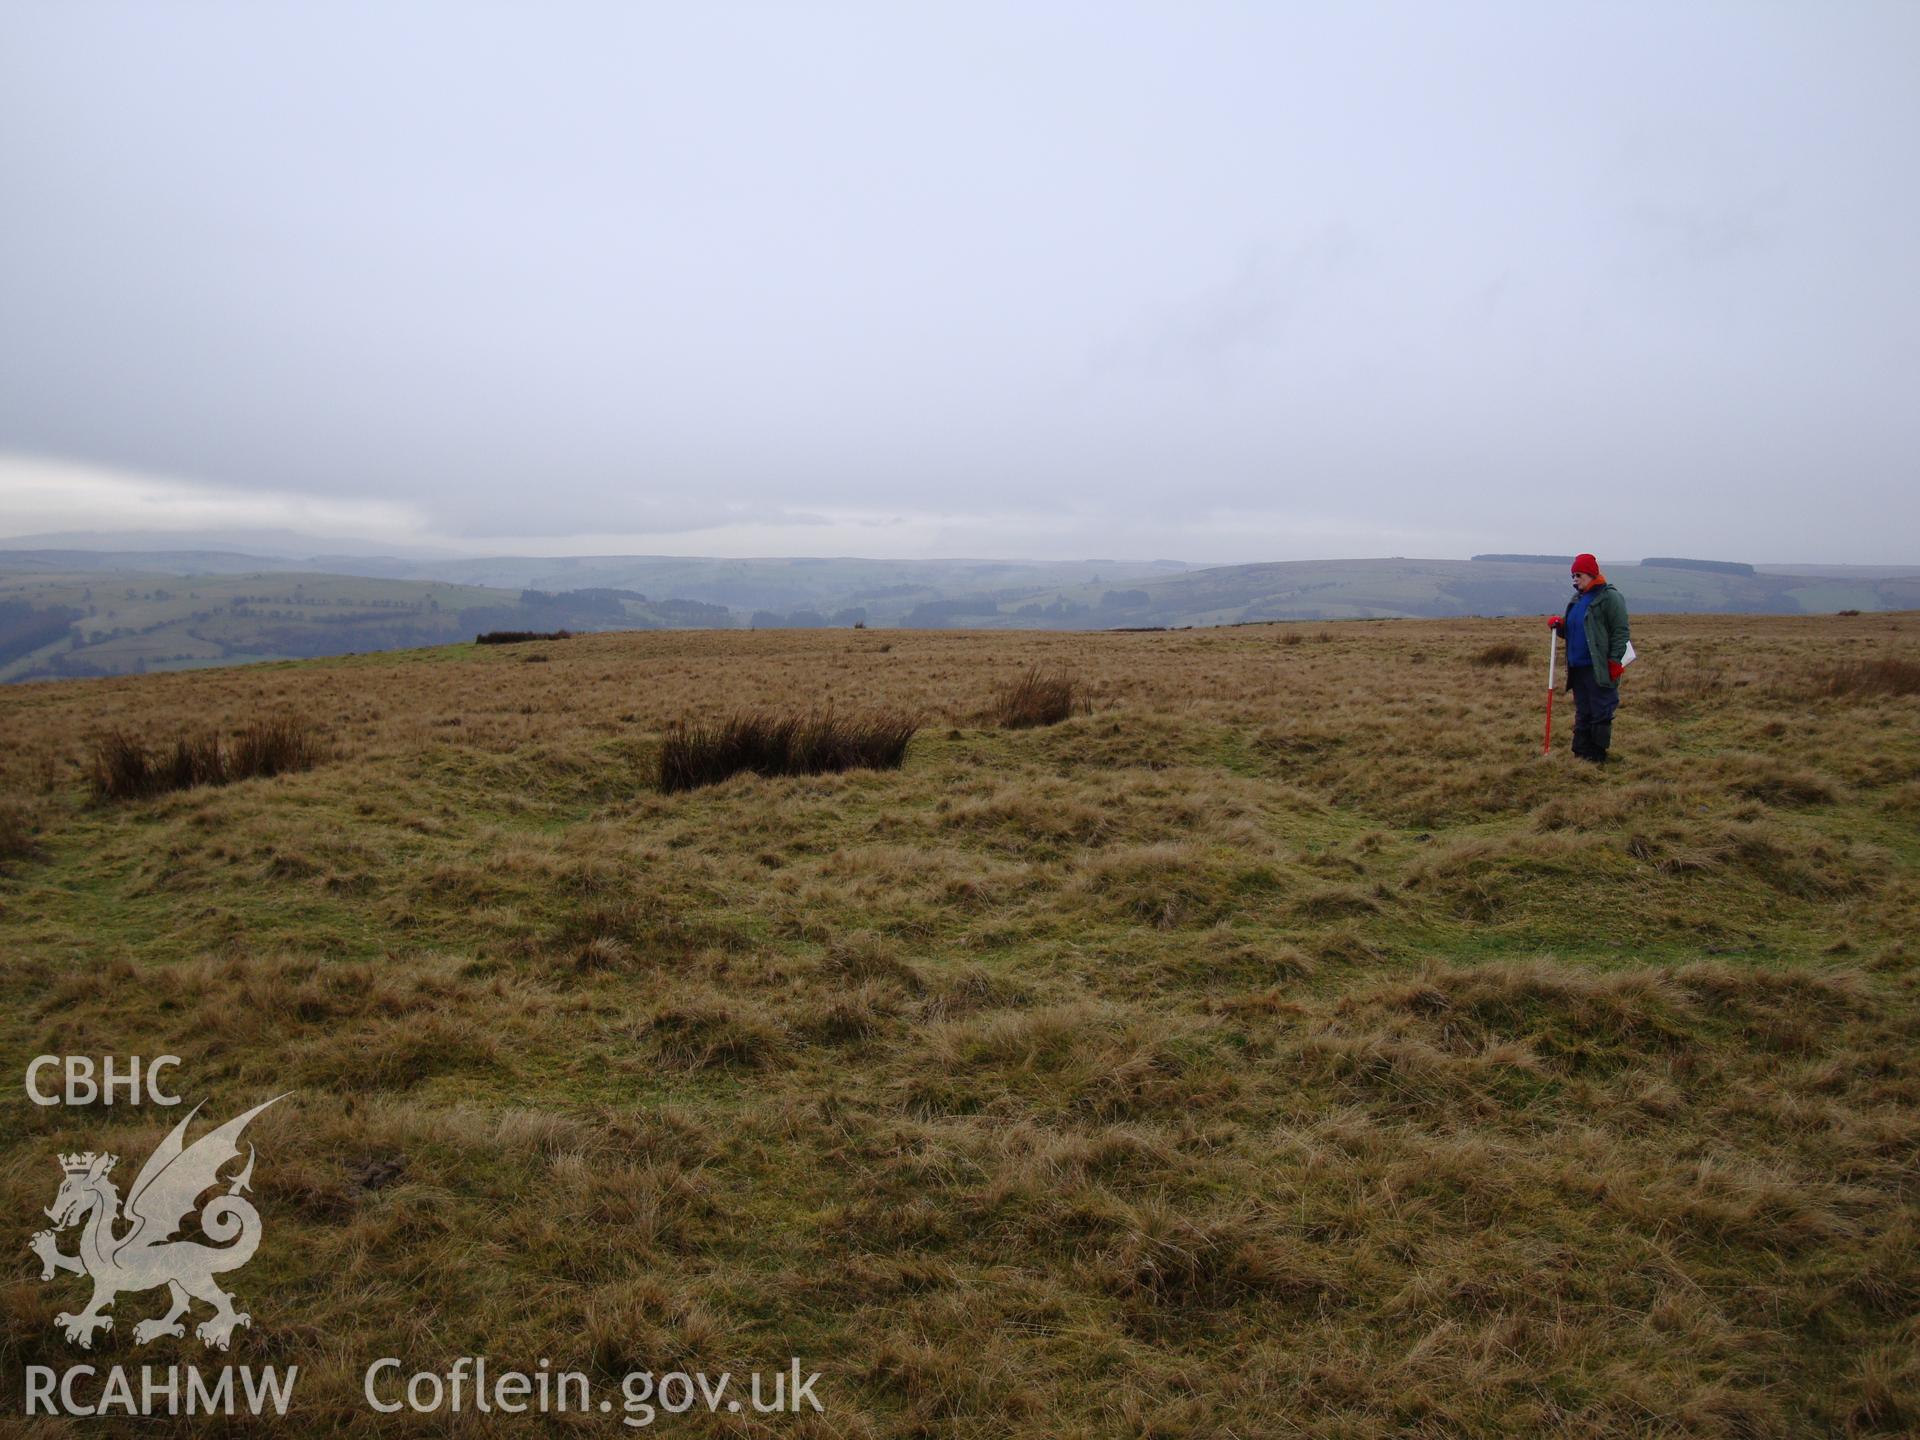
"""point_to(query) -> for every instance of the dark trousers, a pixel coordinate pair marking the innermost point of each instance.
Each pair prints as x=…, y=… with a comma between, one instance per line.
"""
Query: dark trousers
x=1593, y=707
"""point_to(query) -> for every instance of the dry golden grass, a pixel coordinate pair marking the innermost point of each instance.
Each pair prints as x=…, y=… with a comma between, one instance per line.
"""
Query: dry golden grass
x=1279, y=1047
x=1033, y=699
x=1887, y=675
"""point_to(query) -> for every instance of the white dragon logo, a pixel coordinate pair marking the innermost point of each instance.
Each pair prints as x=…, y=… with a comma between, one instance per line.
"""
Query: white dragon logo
x=144, y=1256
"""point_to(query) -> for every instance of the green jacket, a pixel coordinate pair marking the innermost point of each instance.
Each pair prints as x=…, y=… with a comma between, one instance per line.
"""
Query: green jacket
x=1607, y=633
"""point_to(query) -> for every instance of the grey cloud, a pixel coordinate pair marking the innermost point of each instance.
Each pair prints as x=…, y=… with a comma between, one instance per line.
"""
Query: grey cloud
x=1708, y=235
x=1224, y=325
x=775, y=273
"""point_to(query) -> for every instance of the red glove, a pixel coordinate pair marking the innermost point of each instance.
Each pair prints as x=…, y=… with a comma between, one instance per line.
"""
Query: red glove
x=1554, y=622
x=1615, y=669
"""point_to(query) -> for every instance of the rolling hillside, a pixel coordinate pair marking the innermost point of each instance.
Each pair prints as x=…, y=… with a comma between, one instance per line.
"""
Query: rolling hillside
x=57, y=625
x=197, y=608
x=1279, y=1046
x=1361, y=589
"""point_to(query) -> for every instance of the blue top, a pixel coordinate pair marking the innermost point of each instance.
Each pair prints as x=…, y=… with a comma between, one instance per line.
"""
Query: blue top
x=1577, y=653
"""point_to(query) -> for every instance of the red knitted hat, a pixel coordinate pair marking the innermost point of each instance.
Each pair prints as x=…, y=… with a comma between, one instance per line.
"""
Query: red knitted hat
x=1585, y=565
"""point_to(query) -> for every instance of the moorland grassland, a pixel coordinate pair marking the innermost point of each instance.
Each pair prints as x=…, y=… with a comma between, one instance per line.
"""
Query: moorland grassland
x=1277, y=1045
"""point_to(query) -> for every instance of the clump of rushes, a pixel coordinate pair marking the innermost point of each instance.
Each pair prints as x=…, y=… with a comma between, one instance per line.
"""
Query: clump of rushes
x=276, y=745
x=520, y=637
x=1034, y=699
x=125, y=767
x=813, y=742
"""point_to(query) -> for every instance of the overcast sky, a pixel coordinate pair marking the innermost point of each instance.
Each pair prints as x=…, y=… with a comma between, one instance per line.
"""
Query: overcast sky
x=1201, y=281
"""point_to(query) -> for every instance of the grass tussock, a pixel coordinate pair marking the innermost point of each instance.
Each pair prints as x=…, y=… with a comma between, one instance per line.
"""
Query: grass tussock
x=814, y=742
x=1866, y=679
x=708, y=1032
x=20, y=827
x=124, y=767
x=1504, y=653
x=1773, y=780
x=1033, y=700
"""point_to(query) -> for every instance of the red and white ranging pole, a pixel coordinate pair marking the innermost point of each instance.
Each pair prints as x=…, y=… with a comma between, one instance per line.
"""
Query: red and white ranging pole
x=1546, y=746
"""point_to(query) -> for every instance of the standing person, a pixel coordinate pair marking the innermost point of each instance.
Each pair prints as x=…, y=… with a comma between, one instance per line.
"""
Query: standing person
x=1595, y=628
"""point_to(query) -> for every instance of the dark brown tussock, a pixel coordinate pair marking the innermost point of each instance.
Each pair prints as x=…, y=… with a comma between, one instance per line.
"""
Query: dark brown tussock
x=767, y=743
x=123, y=767
x=278, y=745
x=520, y=637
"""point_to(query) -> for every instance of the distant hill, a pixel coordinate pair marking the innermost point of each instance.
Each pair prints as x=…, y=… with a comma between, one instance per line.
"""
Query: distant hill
x=1712, y=567
x=889, y=588
x=1857, y=572
x=1380, y=589
x=77, y=613
x=58, y=561
x=74, y=625
x=776, y=584
x=1357, y=589
x=288, y=549
x=1725, y=567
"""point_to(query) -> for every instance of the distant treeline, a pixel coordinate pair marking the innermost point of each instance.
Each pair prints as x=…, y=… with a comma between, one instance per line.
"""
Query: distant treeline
x=1526, y=559
x=592, y=595
x=24, y=629
x=939, y=614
